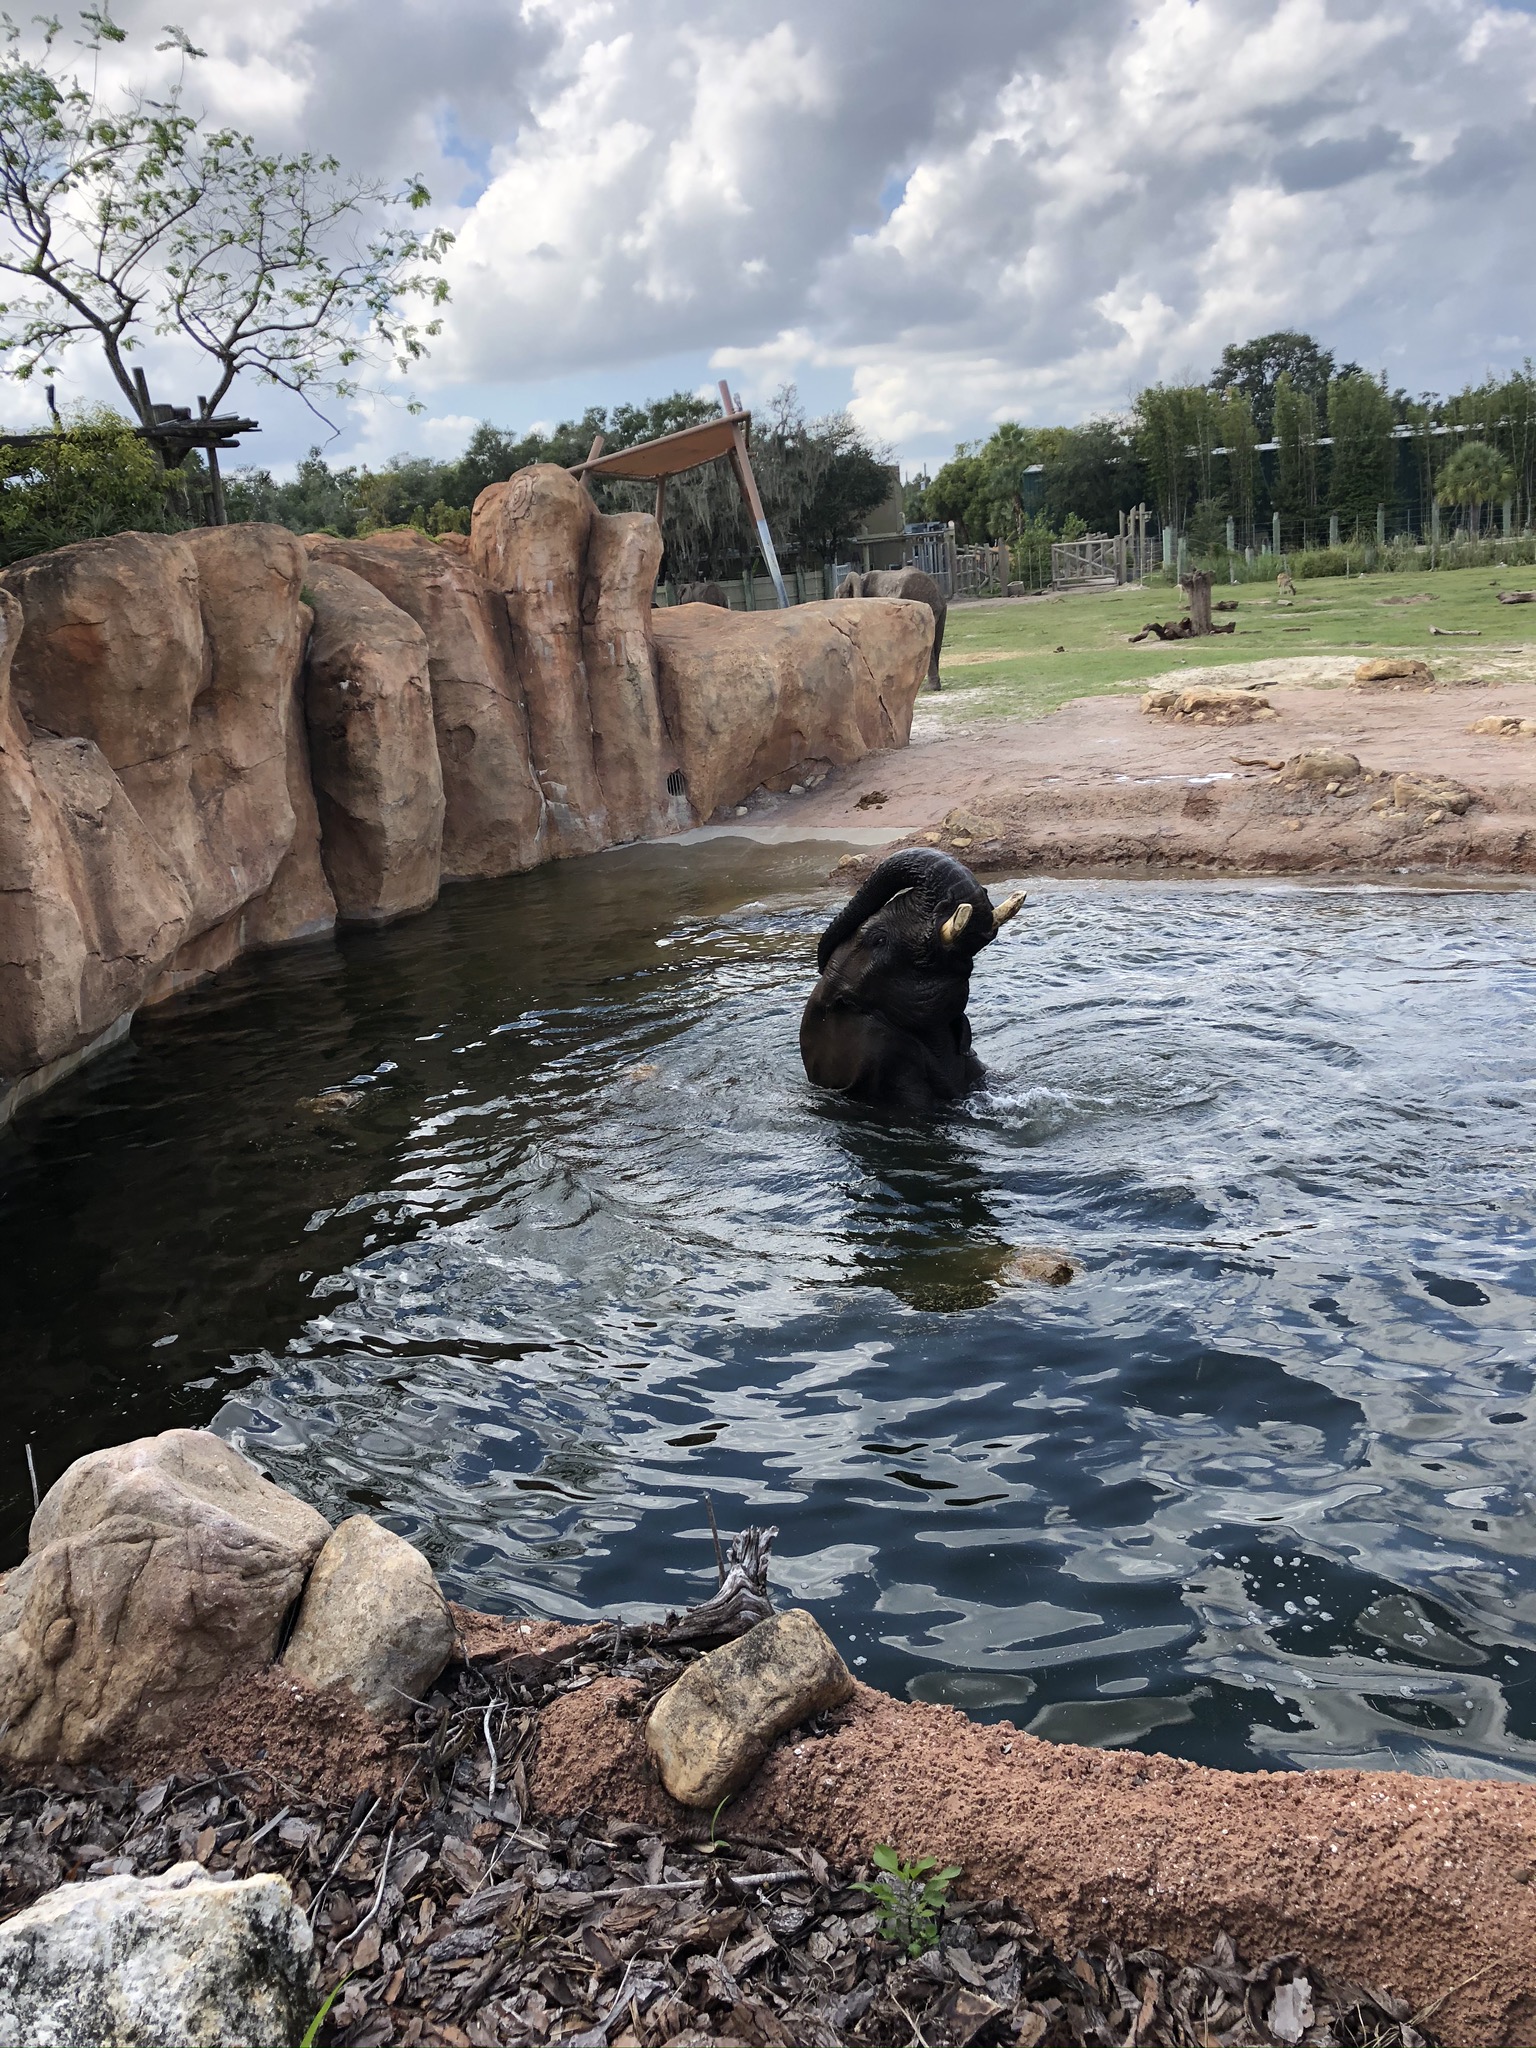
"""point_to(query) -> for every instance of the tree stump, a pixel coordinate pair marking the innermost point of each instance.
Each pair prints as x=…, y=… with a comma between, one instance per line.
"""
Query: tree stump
x=1196, y=585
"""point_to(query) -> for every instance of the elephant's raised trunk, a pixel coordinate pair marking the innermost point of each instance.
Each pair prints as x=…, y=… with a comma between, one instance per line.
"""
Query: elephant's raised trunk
x=933, y=875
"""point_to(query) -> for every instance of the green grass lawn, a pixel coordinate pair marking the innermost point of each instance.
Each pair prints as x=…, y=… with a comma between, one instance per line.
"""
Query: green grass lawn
x=1001, y=660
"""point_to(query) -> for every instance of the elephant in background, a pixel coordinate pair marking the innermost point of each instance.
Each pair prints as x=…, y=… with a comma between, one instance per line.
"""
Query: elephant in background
x=886, y=1021
x=704, y=593
x=916, y=584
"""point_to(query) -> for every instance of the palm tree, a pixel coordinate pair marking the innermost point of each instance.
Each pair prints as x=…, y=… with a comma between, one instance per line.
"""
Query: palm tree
x=1475, y=476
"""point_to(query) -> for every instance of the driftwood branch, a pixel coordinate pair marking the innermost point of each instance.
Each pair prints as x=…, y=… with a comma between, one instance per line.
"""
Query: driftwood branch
x=741, y=1601
x=1517, y=597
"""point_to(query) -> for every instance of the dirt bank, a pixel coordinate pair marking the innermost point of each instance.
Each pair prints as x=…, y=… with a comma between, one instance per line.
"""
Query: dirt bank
x=1419, y=1883
x=1099, y=785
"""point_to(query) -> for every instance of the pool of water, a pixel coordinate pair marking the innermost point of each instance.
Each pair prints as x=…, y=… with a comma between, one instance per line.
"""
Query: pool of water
x=1257, y=1487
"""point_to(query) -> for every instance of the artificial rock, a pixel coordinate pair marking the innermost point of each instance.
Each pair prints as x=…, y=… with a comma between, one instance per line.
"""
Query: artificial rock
x=493, y=810
x=755, y=697
x=710, y=1730
x=631, y=746
x=372, y=1619
x=373, y=752
x=155, y=1570
x=528, y=539
x=177, y=1961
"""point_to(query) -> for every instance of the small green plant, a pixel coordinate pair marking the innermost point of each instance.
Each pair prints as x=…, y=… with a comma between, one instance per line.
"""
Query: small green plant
x=911, y=1898
x=312, y=2032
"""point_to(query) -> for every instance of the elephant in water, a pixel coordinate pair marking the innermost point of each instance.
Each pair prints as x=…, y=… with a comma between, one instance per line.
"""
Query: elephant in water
x=911, y=583
x=886, y=1022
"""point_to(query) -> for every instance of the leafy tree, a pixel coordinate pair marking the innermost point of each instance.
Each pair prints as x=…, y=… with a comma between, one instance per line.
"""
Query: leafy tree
x=1254, y=368
x=123, y=219
x=1178, y=429
x=1297, y=471
x=1092, y=473
x=1363, y=470
x=982, y=486
x=1475, y=476
x=318, y=500
x=93, y=477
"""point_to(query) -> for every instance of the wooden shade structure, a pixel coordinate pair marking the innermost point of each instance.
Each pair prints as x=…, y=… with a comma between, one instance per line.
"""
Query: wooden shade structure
x=690, y=448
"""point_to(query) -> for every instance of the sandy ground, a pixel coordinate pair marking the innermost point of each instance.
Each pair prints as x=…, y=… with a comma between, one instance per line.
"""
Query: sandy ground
x=1100, y=786
x=1423, y=1884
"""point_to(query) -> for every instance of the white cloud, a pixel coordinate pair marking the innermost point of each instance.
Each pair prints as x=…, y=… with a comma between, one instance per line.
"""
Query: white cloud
x=1083, y=198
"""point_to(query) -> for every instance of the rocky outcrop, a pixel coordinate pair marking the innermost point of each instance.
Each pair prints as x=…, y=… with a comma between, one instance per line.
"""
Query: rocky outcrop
x=711, y=1729
x=632, y=748
x=754, y=697
x=214, y=742
x=910, y=582
x=528, y=539
x=155, y=1570
x=373, y=755
x=178, y=1961
x=90, y=909
x=372, y=1619
x=493, y=810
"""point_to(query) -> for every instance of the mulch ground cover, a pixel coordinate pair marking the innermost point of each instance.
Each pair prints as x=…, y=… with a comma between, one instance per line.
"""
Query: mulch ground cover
x=446, y=1912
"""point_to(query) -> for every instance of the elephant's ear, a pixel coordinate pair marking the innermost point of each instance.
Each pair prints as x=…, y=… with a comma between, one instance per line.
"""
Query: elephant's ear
x=915, y=868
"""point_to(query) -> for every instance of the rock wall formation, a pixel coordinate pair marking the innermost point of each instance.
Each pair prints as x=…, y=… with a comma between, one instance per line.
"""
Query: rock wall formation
x=226, y=740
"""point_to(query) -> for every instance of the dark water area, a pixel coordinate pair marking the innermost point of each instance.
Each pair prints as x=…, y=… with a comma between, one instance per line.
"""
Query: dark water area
x=1256, y=1488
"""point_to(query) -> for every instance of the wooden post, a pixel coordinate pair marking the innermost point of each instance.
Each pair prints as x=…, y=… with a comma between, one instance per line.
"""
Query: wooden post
x=1197, y=588
x=216, y=482
x=592, y=454
x=661, y=497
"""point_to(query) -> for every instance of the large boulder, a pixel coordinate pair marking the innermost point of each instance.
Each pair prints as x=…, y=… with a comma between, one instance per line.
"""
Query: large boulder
x=155, y=1570
x=173, y=654
x=373, y=751
x=297, y=903
x=372, y=1619
x=711, y=1729
x=528, y=539
x=908, y=582
x=90, y=907
x=751, y=697
x=493, y=818
x=178, y=1961
x=630, y=743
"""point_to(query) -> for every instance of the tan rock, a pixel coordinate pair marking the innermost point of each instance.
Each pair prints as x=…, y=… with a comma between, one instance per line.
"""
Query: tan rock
x=631, y=747
x=155, y=1570
x=112, y=651
x=1505, y=728
x=373, y=750
x=298, y=904
x=1394, y=668
x=372, y=1619
x=751, y=697
x=90, y=907
x=1321, y=766
x=493, y=815
x=174, y=655
x=1030, y=1262
x=709, y=1732
x=1208, y=704
x=1431, y=793
x=908, y=582
x=528, y=539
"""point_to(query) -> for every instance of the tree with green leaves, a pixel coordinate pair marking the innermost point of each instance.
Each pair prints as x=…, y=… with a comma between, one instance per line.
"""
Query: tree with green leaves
x=94, y=476
x=1297, y=464
x=1475, y=476
x=1092, y=473
x=123, y=220
x=1363, y=471
x=1254, y=368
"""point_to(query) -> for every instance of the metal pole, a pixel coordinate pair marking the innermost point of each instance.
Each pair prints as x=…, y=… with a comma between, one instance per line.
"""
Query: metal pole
x=747, y=483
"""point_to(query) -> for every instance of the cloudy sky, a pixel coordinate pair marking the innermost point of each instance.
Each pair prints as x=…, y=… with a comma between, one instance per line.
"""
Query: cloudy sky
x=939, y=215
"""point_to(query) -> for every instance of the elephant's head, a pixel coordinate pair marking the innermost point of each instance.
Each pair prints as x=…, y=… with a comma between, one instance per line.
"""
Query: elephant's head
x=887, y=1018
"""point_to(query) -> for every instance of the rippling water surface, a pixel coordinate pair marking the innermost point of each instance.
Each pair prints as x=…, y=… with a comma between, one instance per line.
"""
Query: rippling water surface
x=1255, y=1488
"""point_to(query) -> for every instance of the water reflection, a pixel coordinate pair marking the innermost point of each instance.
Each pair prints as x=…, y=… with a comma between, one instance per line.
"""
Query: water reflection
x=582, y=1246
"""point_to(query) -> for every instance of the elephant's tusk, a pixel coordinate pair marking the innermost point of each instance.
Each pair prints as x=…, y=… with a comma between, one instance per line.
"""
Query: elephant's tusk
x=1009, y=907
x=955, y=923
